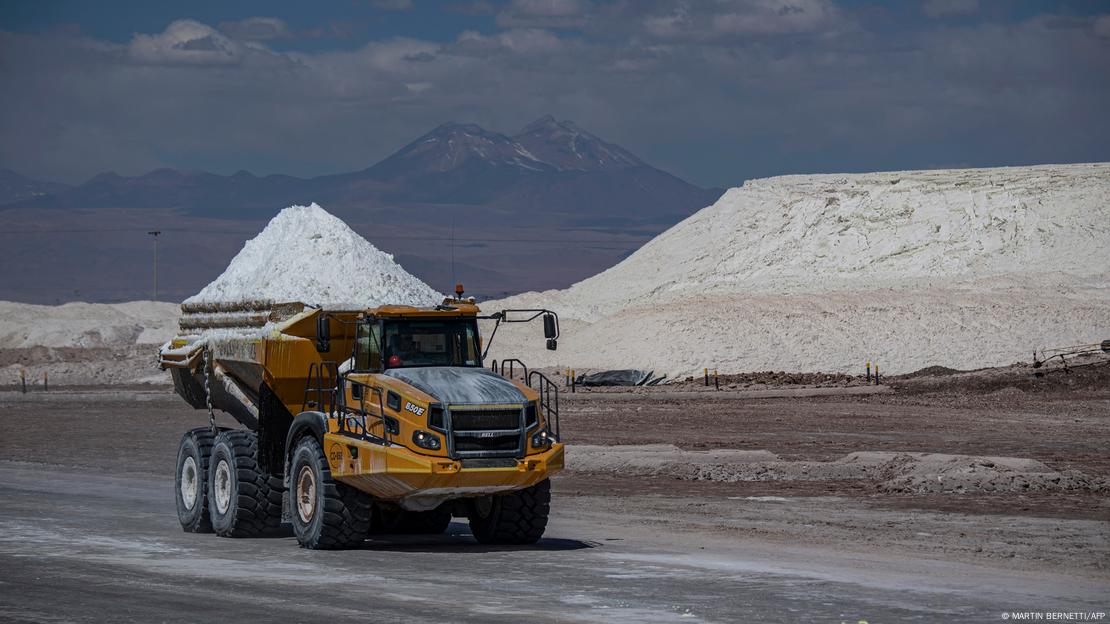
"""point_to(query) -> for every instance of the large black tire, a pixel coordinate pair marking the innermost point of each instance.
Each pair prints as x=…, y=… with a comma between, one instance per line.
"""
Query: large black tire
x=518, y=517
x=243, y=501
x=191, y=483
x=327, y=514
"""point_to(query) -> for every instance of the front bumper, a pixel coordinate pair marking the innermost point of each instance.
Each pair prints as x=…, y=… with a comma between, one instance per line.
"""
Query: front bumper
x=417, y=482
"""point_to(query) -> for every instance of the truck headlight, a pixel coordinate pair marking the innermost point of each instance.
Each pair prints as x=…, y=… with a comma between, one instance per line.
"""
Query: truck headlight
x=542, y=439
x=425, y=440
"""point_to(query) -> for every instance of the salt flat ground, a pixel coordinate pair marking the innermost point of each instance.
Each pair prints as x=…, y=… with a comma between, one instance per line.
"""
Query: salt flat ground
x=88, y=531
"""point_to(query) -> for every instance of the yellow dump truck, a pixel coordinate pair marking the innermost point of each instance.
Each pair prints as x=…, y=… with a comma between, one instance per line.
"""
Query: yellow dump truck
x=361, y=421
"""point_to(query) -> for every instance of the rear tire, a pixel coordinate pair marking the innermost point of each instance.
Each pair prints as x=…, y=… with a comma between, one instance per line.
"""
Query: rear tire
x=243, y=501
x=518, y=517
x=326, y=514
x=191, y=483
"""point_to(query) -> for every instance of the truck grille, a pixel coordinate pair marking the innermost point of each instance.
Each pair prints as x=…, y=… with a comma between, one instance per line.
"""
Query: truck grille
x=487, y=433
x=500, y=443
x=478, y=420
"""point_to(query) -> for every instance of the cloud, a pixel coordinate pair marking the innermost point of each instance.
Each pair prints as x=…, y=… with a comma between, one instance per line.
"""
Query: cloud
x=510, y=43
x=185, y=42
x=944, y=8
x=256, y=29
x=716, y=91
x=776, y=17
x=731, y=19
x=1102, y=26
x=544, y=14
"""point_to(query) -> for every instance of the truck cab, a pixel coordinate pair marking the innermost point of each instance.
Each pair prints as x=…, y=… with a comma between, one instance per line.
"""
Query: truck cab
x=429, y=367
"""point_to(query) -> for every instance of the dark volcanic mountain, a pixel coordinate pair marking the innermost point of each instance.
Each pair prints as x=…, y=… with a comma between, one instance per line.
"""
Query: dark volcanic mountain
x=242, y=195
x=453, y=164
x=453, y=146
x=15, y=187
x=503, y=197
x=550, y=172
x=570, y=148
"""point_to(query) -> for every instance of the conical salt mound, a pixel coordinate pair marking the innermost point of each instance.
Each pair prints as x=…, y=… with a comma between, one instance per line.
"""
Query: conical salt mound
x=307, y=254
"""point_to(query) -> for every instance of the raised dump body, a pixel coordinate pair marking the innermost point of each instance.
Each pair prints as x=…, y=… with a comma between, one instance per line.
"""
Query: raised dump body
x=388, y=414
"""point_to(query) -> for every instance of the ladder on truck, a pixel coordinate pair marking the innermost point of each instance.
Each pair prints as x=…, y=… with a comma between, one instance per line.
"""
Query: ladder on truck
x=548, y=391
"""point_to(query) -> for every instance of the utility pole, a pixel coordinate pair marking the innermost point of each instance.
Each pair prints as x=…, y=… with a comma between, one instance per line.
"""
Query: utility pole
x=155, y=234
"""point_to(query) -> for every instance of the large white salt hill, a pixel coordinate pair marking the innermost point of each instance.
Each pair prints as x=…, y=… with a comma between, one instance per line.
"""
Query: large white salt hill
x=962, y=268
x=78, y=324
x=309, y=255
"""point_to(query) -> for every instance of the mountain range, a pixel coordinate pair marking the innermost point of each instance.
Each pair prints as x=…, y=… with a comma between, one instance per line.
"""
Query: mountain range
x=482, y=189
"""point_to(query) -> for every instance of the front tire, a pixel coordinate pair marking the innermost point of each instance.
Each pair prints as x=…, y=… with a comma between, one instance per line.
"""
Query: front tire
x=518, y=517
x=327, y=514
x=244, y=501
x=191, y=483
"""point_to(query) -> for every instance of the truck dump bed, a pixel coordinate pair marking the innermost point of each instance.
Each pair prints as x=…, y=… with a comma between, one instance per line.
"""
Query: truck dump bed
x=225, y=354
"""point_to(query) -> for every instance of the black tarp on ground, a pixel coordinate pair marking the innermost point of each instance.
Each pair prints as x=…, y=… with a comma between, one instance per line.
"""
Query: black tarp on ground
x=630, y=377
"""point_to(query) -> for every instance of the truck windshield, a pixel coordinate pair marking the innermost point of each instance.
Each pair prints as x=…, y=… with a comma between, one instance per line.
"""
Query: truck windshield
x=431, y=343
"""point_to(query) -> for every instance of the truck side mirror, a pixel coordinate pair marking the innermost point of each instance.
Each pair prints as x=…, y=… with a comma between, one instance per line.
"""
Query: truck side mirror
x=552, y=344
x=550, y=331
x=323, y=333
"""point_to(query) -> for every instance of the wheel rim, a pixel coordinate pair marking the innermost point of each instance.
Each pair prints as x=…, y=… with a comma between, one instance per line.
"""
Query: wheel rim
x=306, y=494
x=189, y=483
x=222, y=486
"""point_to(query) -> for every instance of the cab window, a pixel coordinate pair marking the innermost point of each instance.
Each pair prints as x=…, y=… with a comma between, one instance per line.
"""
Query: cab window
x=452, y=342
x=368, y=346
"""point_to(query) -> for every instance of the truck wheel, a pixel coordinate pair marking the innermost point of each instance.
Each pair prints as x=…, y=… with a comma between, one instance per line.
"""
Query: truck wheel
x=191, y=483
x=243, y=501
x=518, y=517
x=327, y=514
x=432, y=522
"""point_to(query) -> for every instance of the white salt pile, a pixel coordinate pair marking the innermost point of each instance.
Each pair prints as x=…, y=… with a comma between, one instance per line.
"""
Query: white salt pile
x=962, y=268
x=84, y=343
x=307, y=254
x=77, y=324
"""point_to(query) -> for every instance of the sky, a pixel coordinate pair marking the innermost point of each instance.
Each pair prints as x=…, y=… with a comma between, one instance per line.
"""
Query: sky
x=714, y=91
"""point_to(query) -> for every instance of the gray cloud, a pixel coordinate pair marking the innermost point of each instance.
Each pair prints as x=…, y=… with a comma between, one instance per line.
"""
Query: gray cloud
x=544, y=14
x=767, y=88
x=256, y=29
x=742, y=18
x=186, y=42
x=1102, y=26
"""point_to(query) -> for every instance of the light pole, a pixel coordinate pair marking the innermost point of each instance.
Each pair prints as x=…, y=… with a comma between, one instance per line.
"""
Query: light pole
x=155, y=234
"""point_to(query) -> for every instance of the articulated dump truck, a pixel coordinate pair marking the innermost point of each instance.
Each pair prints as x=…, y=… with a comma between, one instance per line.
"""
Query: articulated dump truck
x=355, y=422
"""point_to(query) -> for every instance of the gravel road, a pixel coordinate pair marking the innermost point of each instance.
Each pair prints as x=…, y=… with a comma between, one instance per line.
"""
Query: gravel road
x=88, y=533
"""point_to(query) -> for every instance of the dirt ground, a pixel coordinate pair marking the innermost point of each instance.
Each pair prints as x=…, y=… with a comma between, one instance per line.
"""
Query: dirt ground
x=1059, y=418
x=805, y=493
